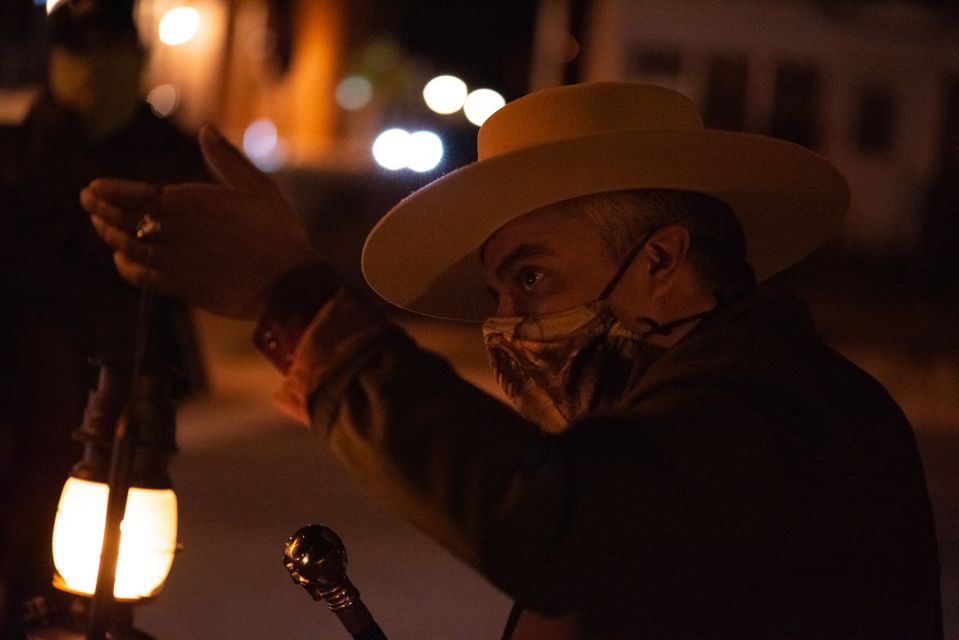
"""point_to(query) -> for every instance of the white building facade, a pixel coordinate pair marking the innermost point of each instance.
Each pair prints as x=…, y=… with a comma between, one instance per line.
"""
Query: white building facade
x=872, y=86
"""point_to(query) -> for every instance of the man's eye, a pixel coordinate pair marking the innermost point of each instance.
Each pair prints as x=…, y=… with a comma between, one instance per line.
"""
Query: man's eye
x=529, y=278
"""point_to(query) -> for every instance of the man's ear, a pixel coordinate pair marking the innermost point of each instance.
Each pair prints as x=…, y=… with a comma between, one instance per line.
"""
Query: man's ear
x=667, y=250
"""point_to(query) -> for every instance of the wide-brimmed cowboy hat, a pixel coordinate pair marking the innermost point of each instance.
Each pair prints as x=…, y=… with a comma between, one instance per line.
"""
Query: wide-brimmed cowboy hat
x=570, y=141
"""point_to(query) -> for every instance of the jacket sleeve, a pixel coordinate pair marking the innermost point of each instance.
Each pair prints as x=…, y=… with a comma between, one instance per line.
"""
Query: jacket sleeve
x=455, y=461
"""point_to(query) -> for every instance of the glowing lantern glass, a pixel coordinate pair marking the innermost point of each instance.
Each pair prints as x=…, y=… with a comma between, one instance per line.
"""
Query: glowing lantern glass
x=147, y=542
x=128, y=434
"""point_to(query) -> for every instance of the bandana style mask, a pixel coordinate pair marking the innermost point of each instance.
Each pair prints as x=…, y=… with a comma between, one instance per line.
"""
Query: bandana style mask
x=559, y=367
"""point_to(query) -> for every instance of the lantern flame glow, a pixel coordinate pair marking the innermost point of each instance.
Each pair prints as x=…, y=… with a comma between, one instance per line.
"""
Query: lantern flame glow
x=147, y=539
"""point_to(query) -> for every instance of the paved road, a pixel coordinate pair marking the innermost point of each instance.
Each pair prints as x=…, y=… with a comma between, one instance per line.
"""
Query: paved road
x=247, y=478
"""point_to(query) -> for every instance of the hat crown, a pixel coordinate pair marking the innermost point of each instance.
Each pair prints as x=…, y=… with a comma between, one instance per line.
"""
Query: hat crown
x=575, y=111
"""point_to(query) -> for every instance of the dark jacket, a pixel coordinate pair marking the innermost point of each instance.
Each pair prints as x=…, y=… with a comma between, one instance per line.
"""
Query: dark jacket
x=753, y=484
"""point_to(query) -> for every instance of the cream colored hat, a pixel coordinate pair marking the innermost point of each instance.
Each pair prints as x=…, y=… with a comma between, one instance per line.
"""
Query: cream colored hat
x=575, y=140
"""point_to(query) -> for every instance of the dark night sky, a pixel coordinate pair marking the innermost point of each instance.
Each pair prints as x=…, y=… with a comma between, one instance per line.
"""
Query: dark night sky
x=487, y=43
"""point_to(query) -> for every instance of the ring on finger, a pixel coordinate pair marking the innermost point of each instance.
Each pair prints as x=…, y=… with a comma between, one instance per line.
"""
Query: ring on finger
x=148, y=228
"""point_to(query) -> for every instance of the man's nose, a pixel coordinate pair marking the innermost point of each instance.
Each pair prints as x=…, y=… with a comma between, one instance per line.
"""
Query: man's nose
x=506, y=306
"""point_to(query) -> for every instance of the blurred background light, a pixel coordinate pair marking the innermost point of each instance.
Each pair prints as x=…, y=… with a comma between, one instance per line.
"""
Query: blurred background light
x=481, y=104
x=390, y=149
x=163, y=99
x=260, y=138
x=425, y=151
x=51, y=4
x=179, y=25
x=445, y=94
x=354, y=92
x=262, y=144
x=396, y=149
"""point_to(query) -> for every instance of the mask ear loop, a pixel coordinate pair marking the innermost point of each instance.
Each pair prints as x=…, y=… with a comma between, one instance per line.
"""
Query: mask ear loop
x=626, y=264
x=655, y=328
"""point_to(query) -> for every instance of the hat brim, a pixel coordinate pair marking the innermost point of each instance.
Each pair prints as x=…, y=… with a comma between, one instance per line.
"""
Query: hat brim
x=423, y=255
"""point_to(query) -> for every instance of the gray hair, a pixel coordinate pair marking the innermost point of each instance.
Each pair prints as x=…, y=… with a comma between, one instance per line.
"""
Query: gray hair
x=717, y=243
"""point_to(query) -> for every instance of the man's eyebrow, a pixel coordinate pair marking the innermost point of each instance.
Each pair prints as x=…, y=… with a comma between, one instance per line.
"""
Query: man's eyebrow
x=521, y=252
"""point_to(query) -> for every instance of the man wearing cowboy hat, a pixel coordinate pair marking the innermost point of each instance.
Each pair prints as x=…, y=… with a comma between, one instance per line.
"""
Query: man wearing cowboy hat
x=689, y=460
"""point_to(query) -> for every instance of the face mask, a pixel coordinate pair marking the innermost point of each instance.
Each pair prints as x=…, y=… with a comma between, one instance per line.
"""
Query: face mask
x=560, y=367
x=565, y=365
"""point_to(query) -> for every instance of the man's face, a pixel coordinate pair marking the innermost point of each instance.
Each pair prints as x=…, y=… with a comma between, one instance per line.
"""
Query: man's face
x=545, y=261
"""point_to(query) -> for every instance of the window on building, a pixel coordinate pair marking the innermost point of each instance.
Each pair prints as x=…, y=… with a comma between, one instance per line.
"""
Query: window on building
x=795, y=114
x=875, y=120
x=724, y=105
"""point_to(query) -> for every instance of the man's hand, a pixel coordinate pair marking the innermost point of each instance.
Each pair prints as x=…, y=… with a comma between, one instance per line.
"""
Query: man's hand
x=218, y=247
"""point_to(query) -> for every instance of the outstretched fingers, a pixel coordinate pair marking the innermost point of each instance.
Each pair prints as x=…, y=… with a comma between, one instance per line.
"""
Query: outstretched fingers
x=123, y=194
x=229, y=165
x=106, y=214
x=123, y=243
x=120, y=204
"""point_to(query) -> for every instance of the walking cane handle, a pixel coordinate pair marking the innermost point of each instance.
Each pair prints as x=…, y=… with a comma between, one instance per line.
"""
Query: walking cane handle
x=316, y=559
